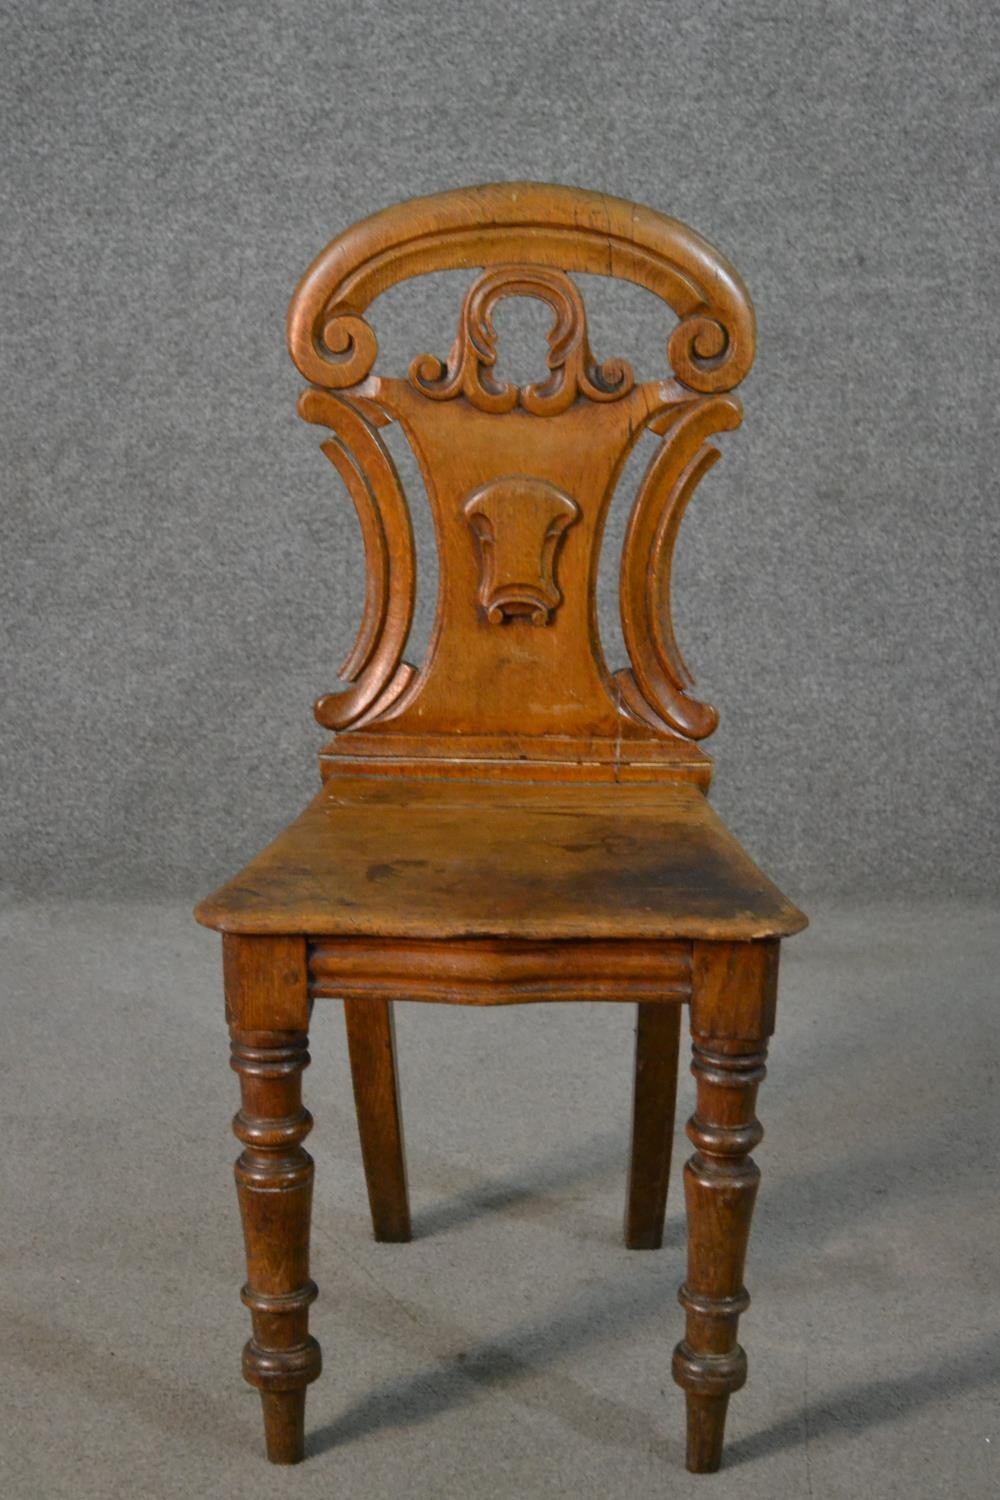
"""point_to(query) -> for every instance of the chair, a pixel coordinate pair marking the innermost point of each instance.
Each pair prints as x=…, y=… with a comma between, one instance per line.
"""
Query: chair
x=510, y=820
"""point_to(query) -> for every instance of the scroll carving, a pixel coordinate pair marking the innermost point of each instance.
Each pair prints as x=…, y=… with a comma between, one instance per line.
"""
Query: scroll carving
x=563, y=228
x=659, y=678
x=374, y=665
x=574, y=372
x=519, y=523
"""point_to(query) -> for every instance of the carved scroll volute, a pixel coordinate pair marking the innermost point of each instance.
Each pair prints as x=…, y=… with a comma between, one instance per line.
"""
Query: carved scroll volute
x=519, y=523
x=659, y=678
x=574, y=372
x=374, y=665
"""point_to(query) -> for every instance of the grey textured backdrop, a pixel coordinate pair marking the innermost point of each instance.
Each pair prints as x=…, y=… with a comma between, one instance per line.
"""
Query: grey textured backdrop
x=181, y=574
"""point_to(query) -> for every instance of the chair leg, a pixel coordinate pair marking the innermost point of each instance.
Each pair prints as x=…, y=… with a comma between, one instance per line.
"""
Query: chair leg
x=371, y=1042
x=274, y=1178
x=732, y=1010
x=265, y=987
x=657, y=1036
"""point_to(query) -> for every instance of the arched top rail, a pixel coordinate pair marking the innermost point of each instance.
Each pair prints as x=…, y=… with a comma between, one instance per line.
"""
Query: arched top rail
x=710, y=349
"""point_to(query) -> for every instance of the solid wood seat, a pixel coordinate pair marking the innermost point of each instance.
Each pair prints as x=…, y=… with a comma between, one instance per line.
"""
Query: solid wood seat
x=407, y=858
x=513, y=817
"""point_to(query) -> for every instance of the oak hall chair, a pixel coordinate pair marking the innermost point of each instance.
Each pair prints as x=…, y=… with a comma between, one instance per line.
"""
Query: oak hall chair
x=510, y=820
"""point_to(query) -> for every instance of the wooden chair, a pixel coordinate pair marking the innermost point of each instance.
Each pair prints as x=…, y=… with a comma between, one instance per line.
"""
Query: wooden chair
x=510, y=820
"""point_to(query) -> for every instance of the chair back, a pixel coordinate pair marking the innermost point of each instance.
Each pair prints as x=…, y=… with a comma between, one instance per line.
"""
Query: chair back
x=519, y=480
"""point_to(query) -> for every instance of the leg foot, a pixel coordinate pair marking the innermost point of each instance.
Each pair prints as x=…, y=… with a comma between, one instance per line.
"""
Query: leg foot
x=657, y=1035
x=284, y=1425
x=706, y=1425
x=371, y=1042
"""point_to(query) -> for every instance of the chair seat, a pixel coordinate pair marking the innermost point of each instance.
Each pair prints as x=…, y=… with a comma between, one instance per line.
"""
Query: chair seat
x=388, y=857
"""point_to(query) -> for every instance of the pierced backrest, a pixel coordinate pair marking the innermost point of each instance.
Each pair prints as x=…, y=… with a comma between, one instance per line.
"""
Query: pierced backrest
x=519, y=481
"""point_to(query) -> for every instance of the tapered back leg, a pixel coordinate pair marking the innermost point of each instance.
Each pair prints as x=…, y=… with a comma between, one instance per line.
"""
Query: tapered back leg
x=371, y=1041
x=657, y=1035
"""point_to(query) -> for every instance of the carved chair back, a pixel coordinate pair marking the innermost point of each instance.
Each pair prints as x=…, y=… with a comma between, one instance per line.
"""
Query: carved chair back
x=519, y=480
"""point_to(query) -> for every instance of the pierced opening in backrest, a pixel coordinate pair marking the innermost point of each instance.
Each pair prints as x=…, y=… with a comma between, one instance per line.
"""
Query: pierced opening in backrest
x=627, y=319
x=417, y=314
x=522, y=326
x=609, y=620
x=424, y=541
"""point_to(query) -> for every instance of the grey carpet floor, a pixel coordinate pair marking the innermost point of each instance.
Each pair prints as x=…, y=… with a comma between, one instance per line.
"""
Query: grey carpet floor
x=514, y=1348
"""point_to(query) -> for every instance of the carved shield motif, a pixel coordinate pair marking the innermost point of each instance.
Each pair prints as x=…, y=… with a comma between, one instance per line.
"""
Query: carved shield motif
x=519, y=523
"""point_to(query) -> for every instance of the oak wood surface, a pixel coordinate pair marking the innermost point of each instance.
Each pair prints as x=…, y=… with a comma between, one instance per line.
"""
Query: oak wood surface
x=515, y=816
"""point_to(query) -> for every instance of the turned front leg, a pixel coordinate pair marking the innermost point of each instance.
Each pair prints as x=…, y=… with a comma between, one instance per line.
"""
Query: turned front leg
x=732, y=1014
x=274, y=1179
